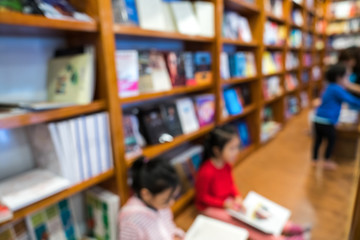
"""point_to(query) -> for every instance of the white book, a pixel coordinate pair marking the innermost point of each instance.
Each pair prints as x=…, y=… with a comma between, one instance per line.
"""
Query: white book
x=255, y=204
x=244, y=29
x=224, y=66
x=205, y=16
x=205, y=228
x=187, y=115
x=151, y=15
x=100, y=135
x=108, y=146
x=94, y=154
x=32, y=186
x=159, y=73
x=127, y=72
x=170, y=25
x=185, y=18
x=84, y=156
x=75, y=150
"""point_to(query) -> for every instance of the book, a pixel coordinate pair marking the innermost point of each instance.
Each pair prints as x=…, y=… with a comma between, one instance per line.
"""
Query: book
x=230, y=28
x=205, y=17
x=250, y=69
x=263, y=214
x=244, y=134
x=185, y=19
x=316, y=73
x=125, y=12
x=272, y=87
x=172, y=64
x=275, y=7
x=297, y=17
x=127, y=72
x=238, y=64
x=132, y=148
x=244, y=29
x=291, y=106
x=186, y=68
x=224, y=66
x=292, y=60
x=54, y=222
x=205, y=228
x=14, y=231
x=171, y=118
x=232, y=101
x=291, y=82
x=71, y=79
x=151, y=15
x=304, y=99
x=205, y=109
x=187, y=115
x=245, y=92
x=5, y=214
x=170, y=25
x=154, y=127
x=274, y=34
x=24, y=189
x=269, y=65
x=295, y=39
x=202, y=63
x=102, y=210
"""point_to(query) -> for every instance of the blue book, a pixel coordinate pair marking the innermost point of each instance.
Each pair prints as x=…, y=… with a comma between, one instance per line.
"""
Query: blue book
x=240, y=64
x=232, y=65
x=244, y=134
x=132, y=12
x=232, y=102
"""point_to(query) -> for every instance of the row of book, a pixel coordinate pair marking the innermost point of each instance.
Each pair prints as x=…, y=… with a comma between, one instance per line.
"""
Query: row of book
x=343, y=27
x=291, y=81
x=237, y=98
x=295, y=38
x=297, y=17
x=343, y=9
x=292, y=106
x=239, y=64
x=192, y=18
x=272, y=62
x=153, y=71
x=236, y=27
x=275, y=7
x=275, y=34
x=161, y=123
x=344, y=41
x=269, y=127
x=70, y=80
x=272, y=87
x=307, y=59
x=92, y=214
x=50, y=9
x=65, y=153
x=292, y=60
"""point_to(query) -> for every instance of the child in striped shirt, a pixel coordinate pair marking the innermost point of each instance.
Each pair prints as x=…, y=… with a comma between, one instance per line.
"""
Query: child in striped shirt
x=147, y=215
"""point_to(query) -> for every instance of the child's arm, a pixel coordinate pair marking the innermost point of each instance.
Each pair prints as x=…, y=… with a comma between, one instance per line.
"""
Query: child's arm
x=129, y=231
x=203, y=186
x=352, y=87
x=345, y=96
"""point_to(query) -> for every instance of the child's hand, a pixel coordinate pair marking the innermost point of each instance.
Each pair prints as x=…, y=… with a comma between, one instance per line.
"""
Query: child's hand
x=239, y=204
x=178, y=238
x=229, y=203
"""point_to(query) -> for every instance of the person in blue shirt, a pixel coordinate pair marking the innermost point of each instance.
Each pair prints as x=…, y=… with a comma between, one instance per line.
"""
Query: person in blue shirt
x=328, y=112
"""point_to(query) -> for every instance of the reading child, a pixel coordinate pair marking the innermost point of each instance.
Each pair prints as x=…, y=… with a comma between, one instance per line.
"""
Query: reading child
x=147, y=215
x=215, y=187
x=327, y=114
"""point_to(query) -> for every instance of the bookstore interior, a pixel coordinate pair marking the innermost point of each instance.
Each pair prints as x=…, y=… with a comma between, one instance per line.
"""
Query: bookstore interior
x=90, y=88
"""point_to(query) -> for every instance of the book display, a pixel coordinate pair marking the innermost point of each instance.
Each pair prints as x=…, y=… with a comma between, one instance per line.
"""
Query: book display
x=112, y=80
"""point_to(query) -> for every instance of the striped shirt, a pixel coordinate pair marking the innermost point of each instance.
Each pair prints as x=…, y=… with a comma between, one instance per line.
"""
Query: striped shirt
x=139, y=222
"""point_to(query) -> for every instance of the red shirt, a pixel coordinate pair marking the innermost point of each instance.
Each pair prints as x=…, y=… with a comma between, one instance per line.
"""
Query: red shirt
x=213, y=186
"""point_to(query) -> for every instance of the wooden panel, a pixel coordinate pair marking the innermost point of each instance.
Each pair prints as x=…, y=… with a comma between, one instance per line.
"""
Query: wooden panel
x=274, y=18
x=183, y=201
x=239, y=80
x=242, y=7
x=240, y=43
x=52, y=115
x=247, y=110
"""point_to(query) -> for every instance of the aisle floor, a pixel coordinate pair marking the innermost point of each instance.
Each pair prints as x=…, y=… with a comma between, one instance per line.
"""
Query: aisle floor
x=281, y=170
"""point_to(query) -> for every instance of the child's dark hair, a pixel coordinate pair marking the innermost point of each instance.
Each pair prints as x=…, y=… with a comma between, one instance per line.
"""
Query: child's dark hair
x=334, y=72
x=346, y=55
x=156, y=175
x=218, y=137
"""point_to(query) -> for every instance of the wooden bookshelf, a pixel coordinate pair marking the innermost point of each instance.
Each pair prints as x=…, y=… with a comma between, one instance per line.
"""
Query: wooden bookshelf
x=19, y=19
x=163, y=94
x=61, y=195
x=183, y=201
x=247, y=110
x=275, y=47
x=275, y=18
x=273, y=99
x=242, y=6
x=293, y=69
x=233, y=81
x=156, y=150
x=240, y=43
x=273, y=74
x=137, y=31
x=51, y=115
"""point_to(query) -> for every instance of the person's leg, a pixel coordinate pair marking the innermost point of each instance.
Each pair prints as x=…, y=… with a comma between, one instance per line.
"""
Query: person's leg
x=331, y=138
x=318, y=136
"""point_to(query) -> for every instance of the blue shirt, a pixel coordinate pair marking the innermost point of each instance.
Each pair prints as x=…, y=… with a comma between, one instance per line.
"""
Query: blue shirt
x=332, y=99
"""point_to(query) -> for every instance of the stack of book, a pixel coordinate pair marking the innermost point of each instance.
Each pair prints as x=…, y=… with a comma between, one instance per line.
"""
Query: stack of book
x=272, y=87
x=274, y=34
x=161, y=123
x=153, y=71
x=343, y=27
x=272, y=62
x=344, y=41
x=236, y=27
x=275, y=7
x=291, y=106
x=316, y=73
x=307, y=59
x=14, y=231
x=343, y=9
x=239, y=64
x=64, y=153
x=295, y=38
x=237, y=98
x=297, y=17
x=308, y=40
x=191, y=18
x=291, y=81
x=269, y=127
x=292, y=60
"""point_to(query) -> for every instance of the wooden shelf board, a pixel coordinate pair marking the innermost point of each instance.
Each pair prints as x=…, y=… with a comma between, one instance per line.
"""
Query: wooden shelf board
x=292, y=91
x=294, y=25
x=299, y=5
x=19, y=19
x=273, y=74
x=174, y=91
x=247, y=110
x=240, y=43
x=156, y=150
x=294, y=48
x=274, y=47
x=232, y=81
x=137, y=31
x=51, y=115
x=61, y=195
x=274, y=18
x=242, y=6
x=273, y=99
x=334, y=19
x=293, y=69
x=183, y=201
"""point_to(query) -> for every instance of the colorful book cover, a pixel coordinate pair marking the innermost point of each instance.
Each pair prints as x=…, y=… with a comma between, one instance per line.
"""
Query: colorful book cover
x=232, y=101
x=205, y=108
x=224, y=66
x=127, y=72
x=171, y=118
x=131, y=11
x=244, y=134
x=240, y=64
x=159, y=74
x=187, y=115
x=132, y=148
x=176, y=73
x=203, y=74
x=187, y=68
x=250, y=64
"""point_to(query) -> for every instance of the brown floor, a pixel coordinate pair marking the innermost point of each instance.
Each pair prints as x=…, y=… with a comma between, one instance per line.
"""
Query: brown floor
x=282, y=172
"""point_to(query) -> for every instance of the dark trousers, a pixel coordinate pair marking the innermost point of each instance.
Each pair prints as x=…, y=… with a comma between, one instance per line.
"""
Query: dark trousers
x=323, y=131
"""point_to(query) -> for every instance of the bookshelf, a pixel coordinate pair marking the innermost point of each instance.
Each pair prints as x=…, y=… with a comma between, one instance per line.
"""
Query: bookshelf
x=107, y=35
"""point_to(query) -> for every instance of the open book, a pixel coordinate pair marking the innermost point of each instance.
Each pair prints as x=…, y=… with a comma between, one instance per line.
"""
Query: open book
x=263, y=214
x=205, y=228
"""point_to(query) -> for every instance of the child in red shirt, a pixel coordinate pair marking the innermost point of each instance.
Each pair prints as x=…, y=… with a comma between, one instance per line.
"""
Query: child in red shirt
x=215, y=187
